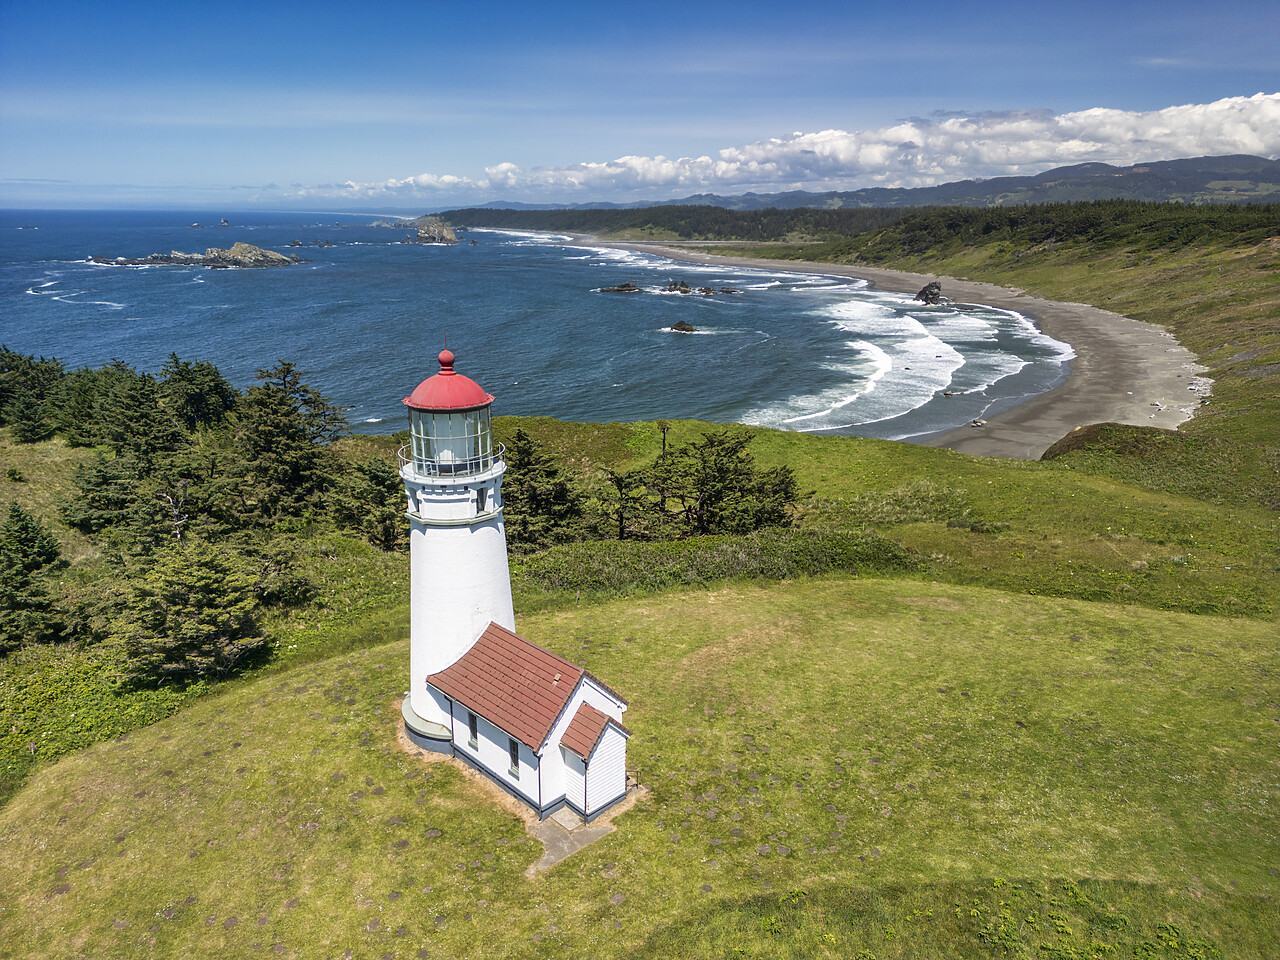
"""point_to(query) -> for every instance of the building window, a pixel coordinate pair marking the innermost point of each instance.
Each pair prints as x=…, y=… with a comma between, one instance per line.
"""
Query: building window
x=473, y=728
x=514, y=749
x=480, y=499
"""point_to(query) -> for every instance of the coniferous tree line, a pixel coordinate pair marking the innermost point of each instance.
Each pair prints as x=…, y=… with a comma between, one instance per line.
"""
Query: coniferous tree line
x=200, y=497
x=194, y=492
x=881, y=233
x=691, y=222
x=1098, y=224
x=707, y=486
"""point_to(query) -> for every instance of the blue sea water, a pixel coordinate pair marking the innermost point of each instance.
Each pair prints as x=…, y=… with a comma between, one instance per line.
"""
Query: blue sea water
x=366, y=316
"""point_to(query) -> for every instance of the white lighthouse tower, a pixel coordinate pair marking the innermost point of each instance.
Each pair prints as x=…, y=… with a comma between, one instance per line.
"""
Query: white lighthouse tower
x=459, y=579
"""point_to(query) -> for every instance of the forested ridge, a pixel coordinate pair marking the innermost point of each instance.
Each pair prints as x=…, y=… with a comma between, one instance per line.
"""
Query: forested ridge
x=687, y=222
x=875, y=234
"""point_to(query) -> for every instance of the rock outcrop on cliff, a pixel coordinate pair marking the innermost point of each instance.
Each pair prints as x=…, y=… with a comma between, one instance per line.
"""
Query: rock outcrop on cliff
x=239, y=255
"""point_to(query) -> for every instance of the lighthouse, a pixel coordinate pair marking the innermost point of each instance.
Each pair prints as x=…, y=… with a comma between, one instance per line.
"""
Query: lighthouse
x=459, y=579
x=542, y=728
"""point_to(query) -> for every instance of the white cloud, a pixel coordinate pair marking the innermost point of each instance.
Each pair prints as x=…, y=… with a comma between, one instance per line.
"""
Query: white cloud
x=915, y=152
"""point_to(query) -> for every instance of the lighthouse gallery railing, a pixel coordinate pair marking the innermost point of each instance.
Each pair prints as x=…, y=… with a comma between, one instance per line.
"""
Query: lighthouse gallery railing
x=448, y=467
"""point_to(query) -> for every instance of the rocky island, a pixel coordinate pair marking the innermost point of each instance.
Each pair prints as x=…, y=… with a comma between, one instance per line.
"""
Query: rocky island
x=239, y=255
x=429, y=230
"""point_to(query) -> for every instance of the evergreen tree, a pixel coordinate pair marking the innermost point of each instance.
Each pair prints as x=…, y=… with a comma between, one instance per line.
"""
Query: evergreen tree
x=196, y=394
x=282, y=427
x=27, y=551
x=135, y=423
x=626, y=506
x=370, y=500
x=27, y=613
x=712, y=486
x=23, y=374
x=192, y=615
x=27, y=416
x=540, y=506
x=90, y=405
x=27, y=541
x=105, y=495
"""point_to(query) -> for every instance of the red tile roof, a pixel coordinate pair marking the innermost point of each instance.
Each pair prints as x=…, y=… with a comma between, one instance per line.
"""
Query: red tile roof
x=586, y=728
x=512, y=683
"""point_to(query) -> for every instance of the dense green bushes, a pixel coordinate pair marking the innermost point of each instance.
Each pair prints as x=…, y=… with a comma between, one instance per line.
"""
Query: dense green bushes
x=625, y=567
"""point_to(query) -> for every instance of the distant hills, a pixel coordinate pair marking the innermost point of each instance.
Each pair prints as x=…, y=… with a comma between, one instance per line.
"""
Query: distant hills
x=1229, y=179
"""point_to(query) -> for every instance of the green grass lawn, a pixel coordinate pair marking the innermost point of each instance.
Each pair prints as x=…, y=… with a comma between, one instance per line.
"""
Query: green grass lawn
x=905, y=768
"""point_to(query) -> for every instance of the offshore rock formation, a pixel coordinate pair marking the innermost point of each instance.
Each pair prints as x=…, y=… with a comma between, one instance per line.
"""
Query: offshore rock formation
x=681, y=326
x=621, y=288
x=240, y=255
x=429, y=230
x=930, y=293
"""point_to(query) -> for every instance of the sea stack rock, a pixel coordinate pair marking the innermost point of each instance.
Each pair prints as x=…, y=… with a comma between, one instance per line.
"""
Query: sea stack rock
x=681, y=327
x=621, y=288
x=436, y=231
x=240, y=255
x=427, y=229
x=930, y=293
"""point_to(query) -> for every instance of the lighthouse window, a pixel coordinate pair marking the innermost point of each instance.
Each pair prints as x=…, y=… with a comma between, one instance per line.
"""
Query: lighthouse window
x=473, y=727
x=480, y=499
x=514, y=749
x=449, y=443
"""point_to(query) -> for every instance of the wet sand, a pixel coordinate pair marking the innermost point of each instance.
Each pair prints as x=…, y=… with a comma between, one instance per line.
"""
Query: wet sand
x=1124, y=371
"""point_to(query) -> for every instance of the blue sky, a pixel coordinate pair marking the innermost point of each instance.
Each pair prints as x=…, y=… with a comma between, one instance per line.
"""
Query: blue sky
x=425, y=105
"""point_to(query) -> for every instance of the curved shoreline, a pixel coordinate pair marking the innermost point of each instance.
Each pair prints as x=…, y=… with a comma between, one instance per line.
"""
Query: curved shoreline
x=1124, y=371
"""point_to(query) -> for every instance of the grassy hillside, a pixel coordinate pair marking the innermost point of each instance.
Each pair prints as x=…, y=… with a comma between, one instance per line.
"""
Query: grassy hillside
x=903, y=768
x=1049, y=528
x=1058, y=528
x=968, y=707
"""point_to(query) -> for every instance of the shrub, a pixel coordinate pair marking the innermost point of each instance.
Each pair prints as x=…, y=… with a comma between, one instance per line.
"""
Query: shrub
x=625, y=566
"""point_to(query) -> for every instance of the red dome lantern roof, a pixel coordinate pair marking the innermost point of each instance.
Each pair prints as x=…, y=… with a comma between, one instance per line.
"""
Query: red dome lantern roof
x=448, y=390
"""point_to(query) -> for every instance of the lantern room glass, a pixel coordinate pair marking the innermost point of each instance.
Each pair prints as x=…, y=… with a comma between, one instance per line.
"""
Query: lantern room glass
x=450, y=443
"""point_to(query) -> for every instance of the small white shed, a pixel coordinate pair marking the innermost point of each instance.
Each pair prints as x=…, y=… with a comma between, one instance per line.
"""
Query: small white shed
x=542, y=728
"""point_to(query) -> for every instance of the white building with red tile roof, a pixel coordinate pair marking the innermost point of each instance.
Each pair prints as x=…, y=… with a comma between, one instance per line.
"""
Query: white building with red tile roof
x=544, y=729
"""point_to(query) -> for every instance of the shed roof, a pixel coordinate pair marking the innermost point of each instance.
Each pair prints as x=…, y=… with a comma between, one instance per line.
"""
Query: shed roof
x=511, y=682
x=586, y=728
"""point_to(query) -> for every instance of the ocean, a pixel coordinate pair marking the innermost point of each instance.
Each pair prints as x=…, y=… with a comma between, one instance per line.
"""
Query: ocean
x=526, y=317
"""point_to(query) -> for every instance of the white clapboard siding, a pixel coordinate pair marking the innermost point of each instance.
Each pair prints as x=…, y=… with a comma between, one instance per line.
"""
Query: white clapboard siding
x=607, y=771
x=574, y=772
x=492, y=753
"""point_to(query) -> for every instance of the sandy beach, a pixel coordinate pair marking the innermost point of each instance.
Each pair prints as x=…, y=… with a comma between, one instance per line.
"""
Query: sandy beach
x=1124, y=371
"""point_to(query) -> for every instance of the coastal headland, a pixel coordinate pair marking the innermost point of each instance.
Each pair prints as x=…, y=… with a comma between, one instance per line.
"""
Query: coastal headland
x=1124, y=370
